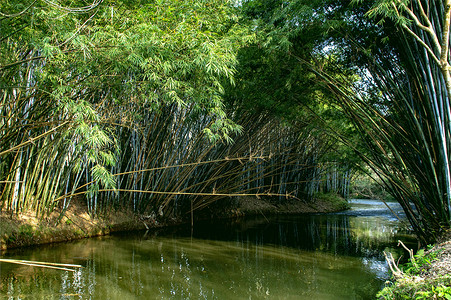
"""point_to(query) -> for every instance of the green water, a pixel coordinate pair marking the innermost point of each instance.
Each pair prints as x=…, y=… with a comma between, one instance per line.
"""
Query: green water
x=335, y=256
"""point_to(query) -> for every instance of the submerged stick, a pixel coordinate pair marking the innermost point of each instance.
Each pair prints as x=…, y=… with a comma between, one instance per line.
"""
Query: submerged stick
x=56, y=266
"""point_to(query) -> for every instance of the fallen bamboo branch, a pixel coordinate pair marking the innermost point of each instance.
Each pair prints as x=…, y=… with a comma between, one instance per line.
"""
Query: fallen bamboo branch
x=154, y=169
x=32, y=140
x=412, y=257
x=11, y=181
x=397, y=273
x=57, y=266
x=226, y=159
x=187, y=193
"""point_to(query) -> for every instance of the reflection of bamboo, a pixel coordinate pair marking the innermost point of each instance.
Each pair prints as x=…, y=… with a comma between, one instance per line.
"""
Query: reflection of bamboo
x=57, y=266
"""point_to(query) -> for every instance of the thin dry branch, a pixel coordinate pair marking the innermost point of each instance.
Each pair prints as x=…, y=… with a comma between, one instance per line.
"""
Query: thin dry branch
x=188, y=193
x=397, y=273
x=157, y=169
x=32, y=140
x=57, y=266
x=412, y=257
x=76, y=9
x=19, y=13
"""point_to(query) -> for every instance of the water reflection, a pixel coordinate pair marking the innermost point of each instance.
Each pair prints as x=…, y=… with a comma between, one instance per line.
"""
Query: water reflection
x=312, y=257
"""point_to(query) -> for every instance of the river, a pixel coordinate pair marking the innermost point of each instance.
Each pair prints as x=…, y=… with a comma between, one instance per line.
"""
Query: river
x=332, y=256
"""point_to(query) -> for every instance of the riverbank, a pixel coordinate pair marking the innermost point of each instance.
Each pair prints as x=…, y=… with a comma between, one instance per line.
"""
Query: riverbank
x=26, y=230
x=426, y=276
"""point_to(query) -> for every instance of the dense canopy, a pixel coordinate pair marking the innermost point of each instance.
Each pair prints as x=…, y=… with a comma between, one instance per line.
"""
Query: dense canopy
x=164, y=107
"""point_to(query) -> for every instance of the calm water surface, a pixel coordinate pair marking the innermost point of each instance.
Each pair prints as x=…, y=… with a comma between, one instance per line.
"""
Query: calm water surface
x=335, y=256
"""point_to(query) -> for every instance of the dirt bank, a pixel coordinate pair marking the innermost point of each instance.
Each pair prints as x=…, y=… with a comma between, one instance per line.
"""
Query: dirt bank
x=26, y=229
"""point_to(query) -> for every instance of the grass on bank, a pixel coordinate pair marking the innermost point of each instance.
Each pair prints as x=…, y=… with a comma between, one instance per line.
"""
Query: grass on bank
x=425, y=276
x=333, y=200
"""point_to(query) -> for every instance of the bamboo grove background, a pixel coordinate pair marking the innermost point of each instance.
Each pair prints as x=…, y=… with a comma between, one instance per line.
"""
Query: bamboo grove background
x=164, y=164
x=403, y=113
x=387, y=65
x=121, y=105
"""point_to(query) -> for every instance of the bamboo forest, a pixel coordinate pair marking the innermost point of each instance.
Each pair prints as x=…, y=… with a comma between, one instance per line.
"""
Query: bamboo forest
x=225, y=149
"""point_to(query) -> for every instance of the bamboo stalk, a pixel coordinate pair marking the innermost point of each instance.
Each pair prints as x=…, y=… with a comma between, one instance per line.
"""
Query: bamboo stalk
x=57, y=266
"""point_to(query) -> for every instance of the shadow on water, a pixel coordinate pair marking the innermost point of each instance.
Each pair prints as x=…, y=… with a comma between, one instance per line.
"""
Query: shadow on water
x=335, y=256
x=367, y=229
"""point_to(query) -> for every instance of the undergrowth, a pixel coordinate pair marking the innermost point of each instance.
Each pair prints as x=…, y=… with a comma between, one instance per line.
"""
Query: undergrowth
x=414, y=282
x=335, y=200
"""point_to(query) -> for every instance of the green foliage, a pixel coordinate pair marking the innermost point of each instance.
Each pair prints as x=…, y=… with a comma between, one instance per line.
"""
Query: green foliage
x=336, y=201
x=436, y=292
x=73, y=71
x=366, y=185
x=26, y=230
x=419, y=260
x=412, y=287
x=272, y=77
x=389, y=9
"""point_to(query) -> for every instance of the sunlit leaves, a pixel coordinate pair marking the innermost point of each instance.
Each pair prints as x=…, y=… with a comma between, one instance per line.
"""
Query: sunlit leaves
x=393, y=9
x=102, y=175
x=99, y=67
x=222, y=130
